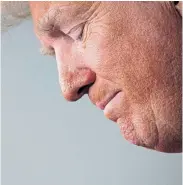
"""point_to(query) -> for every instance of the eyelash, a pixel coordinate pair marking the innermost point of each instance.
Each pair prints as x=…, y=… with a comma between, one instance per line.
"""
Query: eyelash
x=73, y=32
x=80, y=37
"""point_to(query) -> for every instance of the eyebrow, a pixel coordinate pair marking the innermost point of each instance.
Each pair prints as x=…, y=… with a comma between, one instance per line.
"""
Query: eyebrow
x=48, y=22
x=57, y=19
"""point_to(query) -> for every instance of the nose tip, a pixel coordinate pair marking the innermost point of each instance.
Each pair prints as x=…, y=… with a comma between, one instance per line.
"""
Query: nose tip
x=77, y=84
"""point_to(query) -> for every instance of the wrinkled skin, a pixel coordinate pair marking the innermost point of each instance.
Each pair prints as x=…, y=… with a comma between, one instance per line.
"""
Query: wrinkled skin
x=130, y=51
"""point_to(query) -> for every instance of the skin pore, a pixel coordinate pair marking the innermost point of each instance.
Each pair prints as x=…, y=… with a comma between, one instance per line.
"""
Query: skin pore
x=126, y=56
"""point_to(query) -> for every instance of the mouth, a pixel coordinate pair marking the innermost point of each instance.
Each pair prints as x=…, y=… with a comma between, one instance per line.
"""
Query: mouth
x=102, y=104
x=115, y=107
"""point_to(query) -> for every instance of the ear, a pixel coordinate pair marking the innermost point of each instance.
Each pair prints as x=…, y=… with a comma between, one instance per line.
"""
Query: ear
x=178, y=6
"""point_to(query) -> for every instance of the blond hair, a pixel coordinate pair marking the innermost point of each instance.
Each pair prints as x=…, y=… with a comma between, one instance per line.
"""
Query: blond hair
x=13, y=13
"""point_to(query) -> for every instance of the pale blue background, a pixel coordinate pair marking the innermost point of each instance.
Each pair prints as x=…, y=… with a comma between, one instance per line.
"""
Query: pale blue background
x=48, y=141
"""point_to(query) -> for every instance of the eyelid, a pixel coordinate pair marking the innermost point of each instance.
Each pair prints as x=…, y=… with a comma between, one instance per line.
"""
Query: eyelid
x=76, y=31
x=75, y=28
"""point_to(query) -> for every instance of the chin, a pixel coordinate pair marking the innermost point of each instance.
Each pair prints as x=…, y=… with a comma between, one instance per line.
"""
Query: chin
x=153, y=140
x=169, y=147
x=164, y=146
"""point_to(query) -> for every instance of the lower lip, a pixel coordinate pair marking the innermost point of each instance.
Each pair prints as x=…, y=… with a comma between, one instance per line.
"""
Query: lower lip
x=103, y=104
x=113, y=102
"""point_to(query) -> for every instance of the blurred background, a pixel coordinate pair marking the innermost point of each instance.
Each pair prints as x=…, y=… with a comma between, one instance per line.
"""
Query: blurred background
x=49, y=141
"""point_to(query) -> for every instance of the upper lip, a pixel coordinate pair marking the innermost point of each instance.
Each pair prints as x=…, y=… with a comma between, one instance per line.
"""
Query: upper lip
x=101, y=104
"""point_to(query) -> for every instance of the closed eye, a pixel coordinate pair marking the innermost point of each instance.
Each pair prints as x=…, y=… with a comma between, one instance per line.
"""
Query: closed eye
x=76, y=33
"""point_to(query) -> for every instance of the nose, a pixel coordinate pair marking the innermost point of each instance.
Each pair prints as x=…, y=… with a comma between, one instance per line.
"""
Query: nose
x=75, y=84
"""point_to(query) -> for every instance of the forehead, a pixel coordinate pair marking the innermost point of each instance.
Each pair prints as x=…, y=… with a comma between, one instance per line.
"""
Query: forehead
x=40, y=8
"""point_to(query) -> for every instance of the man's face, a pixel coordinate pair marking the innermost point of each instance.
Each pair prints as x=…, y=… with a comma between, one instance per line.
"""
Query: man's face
x=126, y=56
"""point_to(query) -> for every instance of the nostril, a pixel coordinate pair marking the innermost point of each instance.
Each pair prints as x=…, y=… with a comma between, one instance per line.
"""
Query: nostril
x=84, y=89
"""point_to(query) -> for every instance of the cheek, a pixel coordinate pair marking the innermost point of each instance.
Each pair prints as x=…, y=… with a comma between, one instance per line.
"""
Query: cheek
x=95, y=46
x=120, y=58
x=91, y=53
x=115, y=59
x=100, y=56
